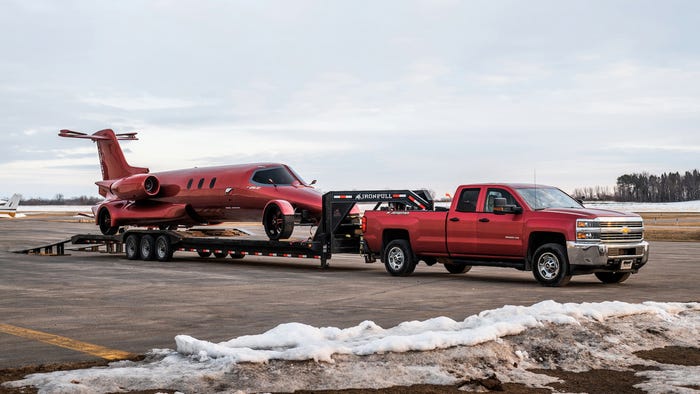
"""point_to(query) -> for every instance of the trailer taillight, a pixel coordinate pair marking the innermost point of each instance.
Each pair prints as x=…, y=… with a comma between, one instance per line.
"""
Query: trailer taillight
x=364, y=224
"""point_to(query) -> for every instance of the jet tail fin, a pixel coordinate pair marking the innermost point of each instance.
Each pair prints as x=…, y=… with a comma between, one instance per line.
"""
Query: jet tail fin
x=112, y=161
x=14, y=202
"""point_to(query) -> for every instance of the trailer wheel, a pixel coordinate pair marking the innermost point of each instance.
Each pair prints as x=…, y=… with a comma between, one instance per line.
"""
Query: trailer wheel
x=204, y=255
x=277, y=225
x=398, y=258
x=457, y=268
x=164, y=250
x=147, y=247
x=220, y=255
x=551, y=267
x=131, y=247
x=612, y=277
x=237, y=256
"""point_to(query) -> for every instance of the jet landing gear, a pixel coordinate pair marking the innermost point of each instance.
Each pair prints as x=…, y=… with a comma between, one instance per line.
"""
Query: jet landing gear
x=105, y=221
x=277, y=225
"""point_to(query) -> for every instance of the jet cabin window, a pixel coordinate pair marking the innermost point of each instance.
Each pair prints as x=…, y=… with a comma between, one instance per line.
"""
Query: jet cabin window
x=498, y=193
x=189, y=184
x=212, y=183
x=467, y=200
x=276, y=176
x=200, y=184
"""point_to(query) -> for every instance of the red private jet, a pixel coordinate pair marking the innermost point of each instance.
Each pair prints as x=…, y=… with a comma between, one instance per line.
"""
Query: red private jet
x=210, y=195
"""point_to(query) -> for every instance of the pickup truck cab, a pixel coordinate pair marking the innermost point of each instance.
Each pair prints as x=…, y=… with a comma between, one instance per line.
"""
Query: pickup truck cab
x=528, y=227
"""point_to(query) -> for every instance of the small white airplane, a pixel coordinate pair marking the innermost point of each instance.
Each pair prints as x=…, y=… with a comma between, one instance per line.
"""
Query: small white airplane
x=10, y=207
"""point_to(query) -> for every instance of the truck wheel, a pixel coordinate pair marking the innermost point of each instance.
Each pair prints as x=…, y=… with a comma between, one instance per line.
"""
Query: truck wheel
x=164, y=250
x=204, y=255
x=398, y=258
x=457, y=268
x=131, y=247
x=237, y=256
x=147, y=247
x=551, y=267
x=220, y=255
x=612, y=277
x=277, y=225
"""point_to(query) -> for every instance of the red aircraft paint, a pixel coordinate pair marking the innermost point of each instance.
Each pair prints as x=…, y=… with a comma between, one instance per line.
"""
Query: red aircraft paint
x=134, y=196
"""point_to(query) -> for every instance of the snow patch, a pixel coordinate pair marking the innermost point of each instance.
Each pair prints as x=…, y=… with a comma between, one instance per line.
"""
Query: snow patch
x=507, y=342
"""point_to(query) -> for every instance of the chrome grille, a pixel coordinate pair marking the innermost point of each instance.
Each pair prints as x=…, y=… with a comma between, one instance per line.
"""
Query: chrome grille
x=621, y=231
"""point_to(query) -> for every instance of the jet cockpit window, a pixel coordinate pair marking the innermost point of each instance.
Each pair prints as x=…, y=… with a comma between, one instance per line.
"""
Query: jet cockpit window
x=276, y=176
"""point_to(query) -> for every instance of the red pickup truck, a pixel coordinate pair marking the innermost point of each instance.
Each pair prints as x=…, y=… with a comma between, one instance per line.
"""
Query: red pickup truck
x=528, y=227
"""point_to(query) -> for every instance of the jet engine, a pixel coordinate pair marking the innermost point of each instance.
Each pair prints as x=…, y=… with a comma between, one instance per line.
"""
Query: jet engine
x=136, y=187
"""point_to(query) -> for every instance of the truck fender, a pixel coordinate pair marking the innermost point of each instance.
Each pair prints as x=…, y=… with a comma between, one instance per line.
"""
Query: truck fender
x=284, y=206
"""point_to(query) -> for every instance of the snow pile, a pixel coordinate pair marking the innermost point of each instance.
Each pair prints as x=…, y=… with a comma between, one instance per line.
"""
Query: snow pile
x=506, y=341
x=295, y=341
x=684, y=206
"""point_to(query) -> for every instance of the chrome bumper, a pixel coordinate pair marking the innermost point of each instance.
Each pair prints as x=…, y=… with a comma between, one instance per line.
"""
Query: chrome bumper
x=613, y=256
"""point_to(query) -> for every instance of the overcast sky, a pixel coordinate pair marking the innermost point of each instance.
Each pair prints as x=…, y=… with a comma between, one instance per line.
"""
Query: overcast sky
x=355, y=94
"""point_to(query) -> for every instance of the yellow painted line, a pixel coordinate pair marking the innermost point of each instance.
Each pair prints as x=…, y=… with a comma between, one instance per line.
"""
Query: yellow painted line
x=64, y=342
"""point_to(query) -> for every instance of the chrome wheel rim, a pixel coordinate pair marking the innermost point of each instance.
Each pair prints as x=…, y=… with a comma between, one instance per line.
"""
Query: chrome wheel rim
x=548, y=266
x=131, y=247
x=145, y=249
x=396, y=258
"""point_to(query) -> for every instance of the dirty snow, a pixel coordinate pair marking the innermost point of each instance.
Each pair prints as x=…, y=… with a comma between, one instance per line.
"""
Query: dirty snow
x=506, y=341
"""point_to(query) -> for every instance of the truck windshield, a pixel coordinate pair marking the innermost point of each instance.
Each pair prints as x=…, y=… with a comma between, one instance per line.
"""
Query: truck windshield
x=547, y=197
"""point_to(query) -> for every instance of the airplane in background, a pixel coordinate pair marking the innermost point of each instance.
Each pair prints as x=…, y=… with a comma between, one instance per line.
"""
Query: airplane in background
x=208, y=195
x=10, y=207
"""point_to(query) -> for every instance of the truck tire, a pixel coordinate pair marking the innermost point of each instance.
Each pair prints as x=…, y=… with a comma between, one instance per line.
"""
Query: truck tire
x=457, y=268
x=203, y=255
x=551, y=266
x=131, y=247
x=147, y=247
x=220, y=255
x=612, y=277
x=398, y=258
x=164, y=250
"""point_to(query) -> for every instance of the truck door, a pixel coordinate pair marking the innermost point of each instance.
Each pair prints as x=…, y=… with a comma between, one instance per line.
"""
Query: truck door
x=499, y=235
x=461, y=224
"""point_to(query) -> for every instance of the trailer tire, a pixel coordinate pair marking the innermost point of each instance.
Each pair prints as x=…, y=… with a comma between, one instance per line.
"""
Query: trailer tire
x=612, y=277
x=164, y=249
x=220, y=255
x=147, y=247
x=131, y=247
x=457, y=268
x=398, y=258
x=203, y=255
x=237, y=256
x=551, y=266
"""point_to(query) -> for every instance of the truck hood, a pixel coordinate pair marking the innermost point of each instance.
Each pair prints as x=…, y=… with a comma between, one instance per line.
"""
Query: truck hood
x=590, y=213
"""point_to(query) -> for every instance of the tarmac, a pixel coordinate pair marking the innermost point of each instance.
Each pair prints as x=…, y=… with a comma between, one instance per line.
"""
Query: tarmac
x=90, y=306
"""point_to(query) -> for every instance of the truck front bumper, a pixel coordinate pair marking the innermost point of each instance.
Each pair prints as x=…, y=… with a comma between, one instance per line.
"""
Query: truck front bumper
x=607, y=257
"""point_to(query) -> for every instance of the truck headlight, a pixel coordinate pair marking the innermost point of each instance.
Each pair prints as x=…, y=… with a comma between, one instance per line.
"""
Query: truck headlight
x=587, y=230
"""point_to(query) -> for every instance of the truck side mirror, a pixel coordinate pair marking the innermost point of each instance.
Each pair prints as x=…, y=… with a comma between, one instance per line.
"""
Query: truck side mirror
x=501, y=207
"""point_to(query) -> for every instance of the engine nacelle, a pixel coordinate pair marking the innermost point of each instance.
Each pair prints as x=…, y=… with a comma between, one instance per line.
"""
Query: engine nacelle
x=136, y=187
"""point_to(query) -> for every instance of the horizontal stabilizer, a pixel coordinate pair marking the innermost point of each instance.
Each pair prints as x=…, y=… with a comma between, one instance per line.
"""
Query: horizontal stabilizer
x=96, y=136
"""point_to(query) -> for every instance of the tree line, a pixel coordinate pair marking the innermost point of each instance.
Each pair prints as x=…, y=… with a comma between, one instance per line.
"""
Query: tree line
x=645, y=187
x=59, y=199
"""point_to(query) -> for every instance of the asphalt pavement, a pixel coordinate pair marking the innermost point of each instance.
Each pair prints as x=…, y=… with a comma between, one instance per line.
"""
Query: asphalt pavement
x=54, y=308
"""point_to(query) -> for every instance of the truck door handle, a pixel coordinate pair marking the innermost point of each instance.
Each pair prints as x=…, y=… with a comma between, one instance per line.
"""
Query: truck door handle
x=484, y=220
x=454, y=219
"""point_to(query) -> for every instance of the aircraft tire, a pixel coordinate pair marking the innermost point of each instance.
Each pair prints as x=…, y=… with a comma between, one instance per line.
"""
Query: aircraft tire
x=277, y=225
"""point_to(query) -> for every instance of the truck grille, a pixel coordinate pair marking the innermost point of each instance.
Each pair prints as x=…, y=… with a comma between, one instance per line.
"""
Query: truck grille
x=621, y=231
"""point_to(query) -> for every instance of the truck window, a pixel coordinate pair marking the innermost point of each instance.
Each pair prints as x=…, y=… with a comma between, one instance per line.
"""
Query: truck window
x=498, y=193
x=467, y=200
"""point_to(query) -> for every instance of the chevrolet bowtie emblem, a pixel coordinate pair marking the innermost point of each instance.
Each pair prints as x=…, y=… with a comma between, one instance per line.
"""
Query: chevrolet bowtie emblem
x=625, y=230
